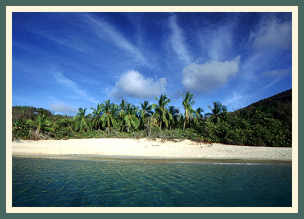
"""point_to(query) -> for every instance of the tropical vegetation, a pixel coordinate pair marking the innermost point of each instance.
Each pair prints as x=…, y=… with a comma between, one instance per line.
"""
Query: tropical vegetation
x=265, y=123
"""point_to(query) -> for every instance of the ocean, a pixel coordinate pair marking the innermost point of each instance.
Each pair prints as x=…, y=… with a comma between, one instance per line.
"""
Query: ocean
x=51, y=182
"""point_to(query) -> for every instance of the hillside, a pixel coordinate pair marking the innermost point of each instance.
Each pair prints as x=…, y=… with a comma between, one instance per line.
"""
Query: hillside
x=270, y=120
x=278, y=106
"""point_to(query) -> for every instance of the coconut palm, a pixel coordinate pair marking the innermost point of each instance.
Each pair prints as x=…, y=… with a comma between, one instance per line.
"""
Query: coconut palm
x=108, y=117
x=198, y=116
x=131, y=120
x=42, y=125
x=63, y=127
x=96, y=114
x=80, y=120
x=174, y=118
x=121, y=114
x=217, y=111
x=145, y=113
x=161, y=112
x=122, y=107
x=187, y=103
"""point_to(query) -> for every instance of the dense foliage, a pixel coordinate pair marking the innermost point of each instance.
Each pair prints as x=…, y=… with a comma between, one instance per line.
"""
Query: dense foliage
x=265, y=123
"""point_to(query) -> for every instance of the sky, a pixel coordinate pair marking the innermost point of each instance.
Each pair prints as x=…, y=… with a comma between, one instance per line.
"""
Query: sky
x=63, y=61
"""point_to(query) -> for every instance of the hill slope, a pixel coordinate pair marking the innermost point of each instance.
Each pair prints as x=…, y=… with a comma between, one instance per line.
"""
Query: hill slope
x=270, y=120
x=278, y=106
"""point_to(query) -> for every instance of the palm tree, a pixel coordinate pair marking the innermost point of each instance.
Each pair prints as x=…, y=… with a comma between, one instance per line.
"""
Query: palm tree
x=198, y=113
x=108, y=117
x=80, y=120
x=198, y=116
x=130, y=119
x=161, y=111
x=187, y=103
x=42, y=125
x=122, y=112
x=145, y=113
x=175, y=116
x=96, y=121
x=217, y=111
x=63, y=127
x=122, y=106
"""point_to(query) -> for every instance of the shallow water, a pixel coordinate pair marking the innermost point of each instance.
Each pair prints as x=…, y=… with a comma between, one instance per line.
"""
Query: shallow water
x=47, y=182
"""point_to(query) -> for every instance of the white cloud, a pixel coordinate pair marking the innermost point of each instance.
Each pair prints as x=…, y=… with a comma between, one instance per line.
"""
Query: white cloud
x=102, y=27
x=271, y=33
x=210, y=75
x=177, y=41
x=66, y=82
x=134, y=84
x=62, y=108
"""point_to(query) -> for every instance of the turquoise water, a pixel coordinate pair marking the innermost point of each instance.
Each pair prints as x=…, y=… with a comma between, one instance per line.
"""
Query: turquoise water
x=61, y=183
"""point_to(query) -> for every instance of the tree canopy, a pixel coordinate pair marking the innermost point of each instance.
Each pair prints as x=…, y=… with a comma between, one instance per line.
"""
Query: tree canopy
x=265, y=123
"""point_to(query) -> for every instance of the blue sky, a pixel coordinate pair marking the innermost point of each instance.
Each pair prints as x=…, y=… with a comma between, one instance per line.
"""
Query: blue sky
x=63, y=61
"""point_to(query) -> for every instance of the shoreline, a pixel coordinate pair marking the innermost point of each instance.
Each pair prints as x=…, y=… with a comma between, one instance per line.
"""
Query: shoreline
x=102, y=158
x=148, y=149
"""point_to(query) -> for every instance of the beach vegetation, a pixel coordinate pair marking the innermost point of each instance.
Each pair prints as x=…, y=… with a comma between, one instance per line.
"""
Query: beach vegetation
x=265, y=123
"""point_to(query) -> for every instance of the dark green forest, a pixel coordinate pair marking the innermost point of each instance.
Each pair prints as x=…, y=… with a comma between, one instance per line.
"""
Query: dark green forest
x=264, y=123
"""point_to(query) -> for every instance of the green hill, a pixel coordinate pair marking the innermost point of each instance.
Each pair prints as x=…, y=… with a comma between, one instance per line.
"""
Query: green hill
x=270, y=118
x=279, y=106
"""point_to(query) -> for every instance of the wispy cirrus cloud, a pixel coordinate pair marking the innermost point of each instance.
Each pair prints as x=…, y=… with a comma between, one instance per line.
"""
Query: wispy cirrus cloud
x=268, y=41
x=70, y=84
x=221, y=42
x=276, y=76
x=278, y=72
x=271, y=33
x=177, y=40
x=66, y=40
x=102, y=27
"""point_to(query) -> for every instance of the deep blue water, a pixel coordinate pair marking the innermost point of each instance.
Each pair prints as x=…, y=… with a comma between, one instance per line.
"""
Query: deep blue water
x=78, y=183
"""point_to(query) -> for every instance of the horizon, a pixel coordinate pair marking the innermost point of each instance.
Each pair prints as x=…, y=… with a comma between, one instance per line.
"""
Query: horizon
x=92, y=57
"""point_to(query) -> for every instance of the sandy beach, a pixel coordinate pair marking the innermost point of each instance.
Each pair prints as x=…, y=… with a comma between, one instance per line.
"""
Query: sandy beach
x=147, y=148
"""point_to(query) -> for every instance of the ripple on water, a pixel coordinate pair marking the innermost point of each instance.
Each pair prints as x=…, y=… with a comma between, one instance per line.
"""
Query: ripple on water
x=54, y=182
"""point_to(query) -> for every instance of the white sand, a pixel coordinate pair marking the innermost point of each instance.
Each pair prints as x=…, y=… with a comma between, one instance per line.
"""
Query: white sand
x=147, y=148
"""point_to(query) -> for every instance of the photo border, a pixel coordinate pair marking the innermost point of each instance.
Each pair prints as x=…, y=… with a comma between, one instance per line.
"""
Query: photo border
x=150, y=209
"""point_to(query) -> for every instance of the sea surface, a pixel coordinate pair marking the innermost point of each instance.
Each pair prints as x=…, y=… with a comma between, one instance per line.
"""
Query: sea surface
x=45, y=182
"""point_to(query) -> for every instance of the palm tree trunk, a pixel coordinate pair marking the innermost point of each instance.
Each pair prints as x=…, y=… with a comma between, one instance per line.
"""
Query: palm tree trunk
x=37, y=132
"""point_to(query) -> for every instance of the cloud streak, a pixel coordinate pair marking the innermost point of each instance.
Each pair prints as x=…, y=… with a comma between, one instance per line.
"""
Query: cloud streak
x=277, y=75
x=102, y=27
x=73, y=86
x=177, y=41
x=278, y=72
x=67, y=41
x=272, y=34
